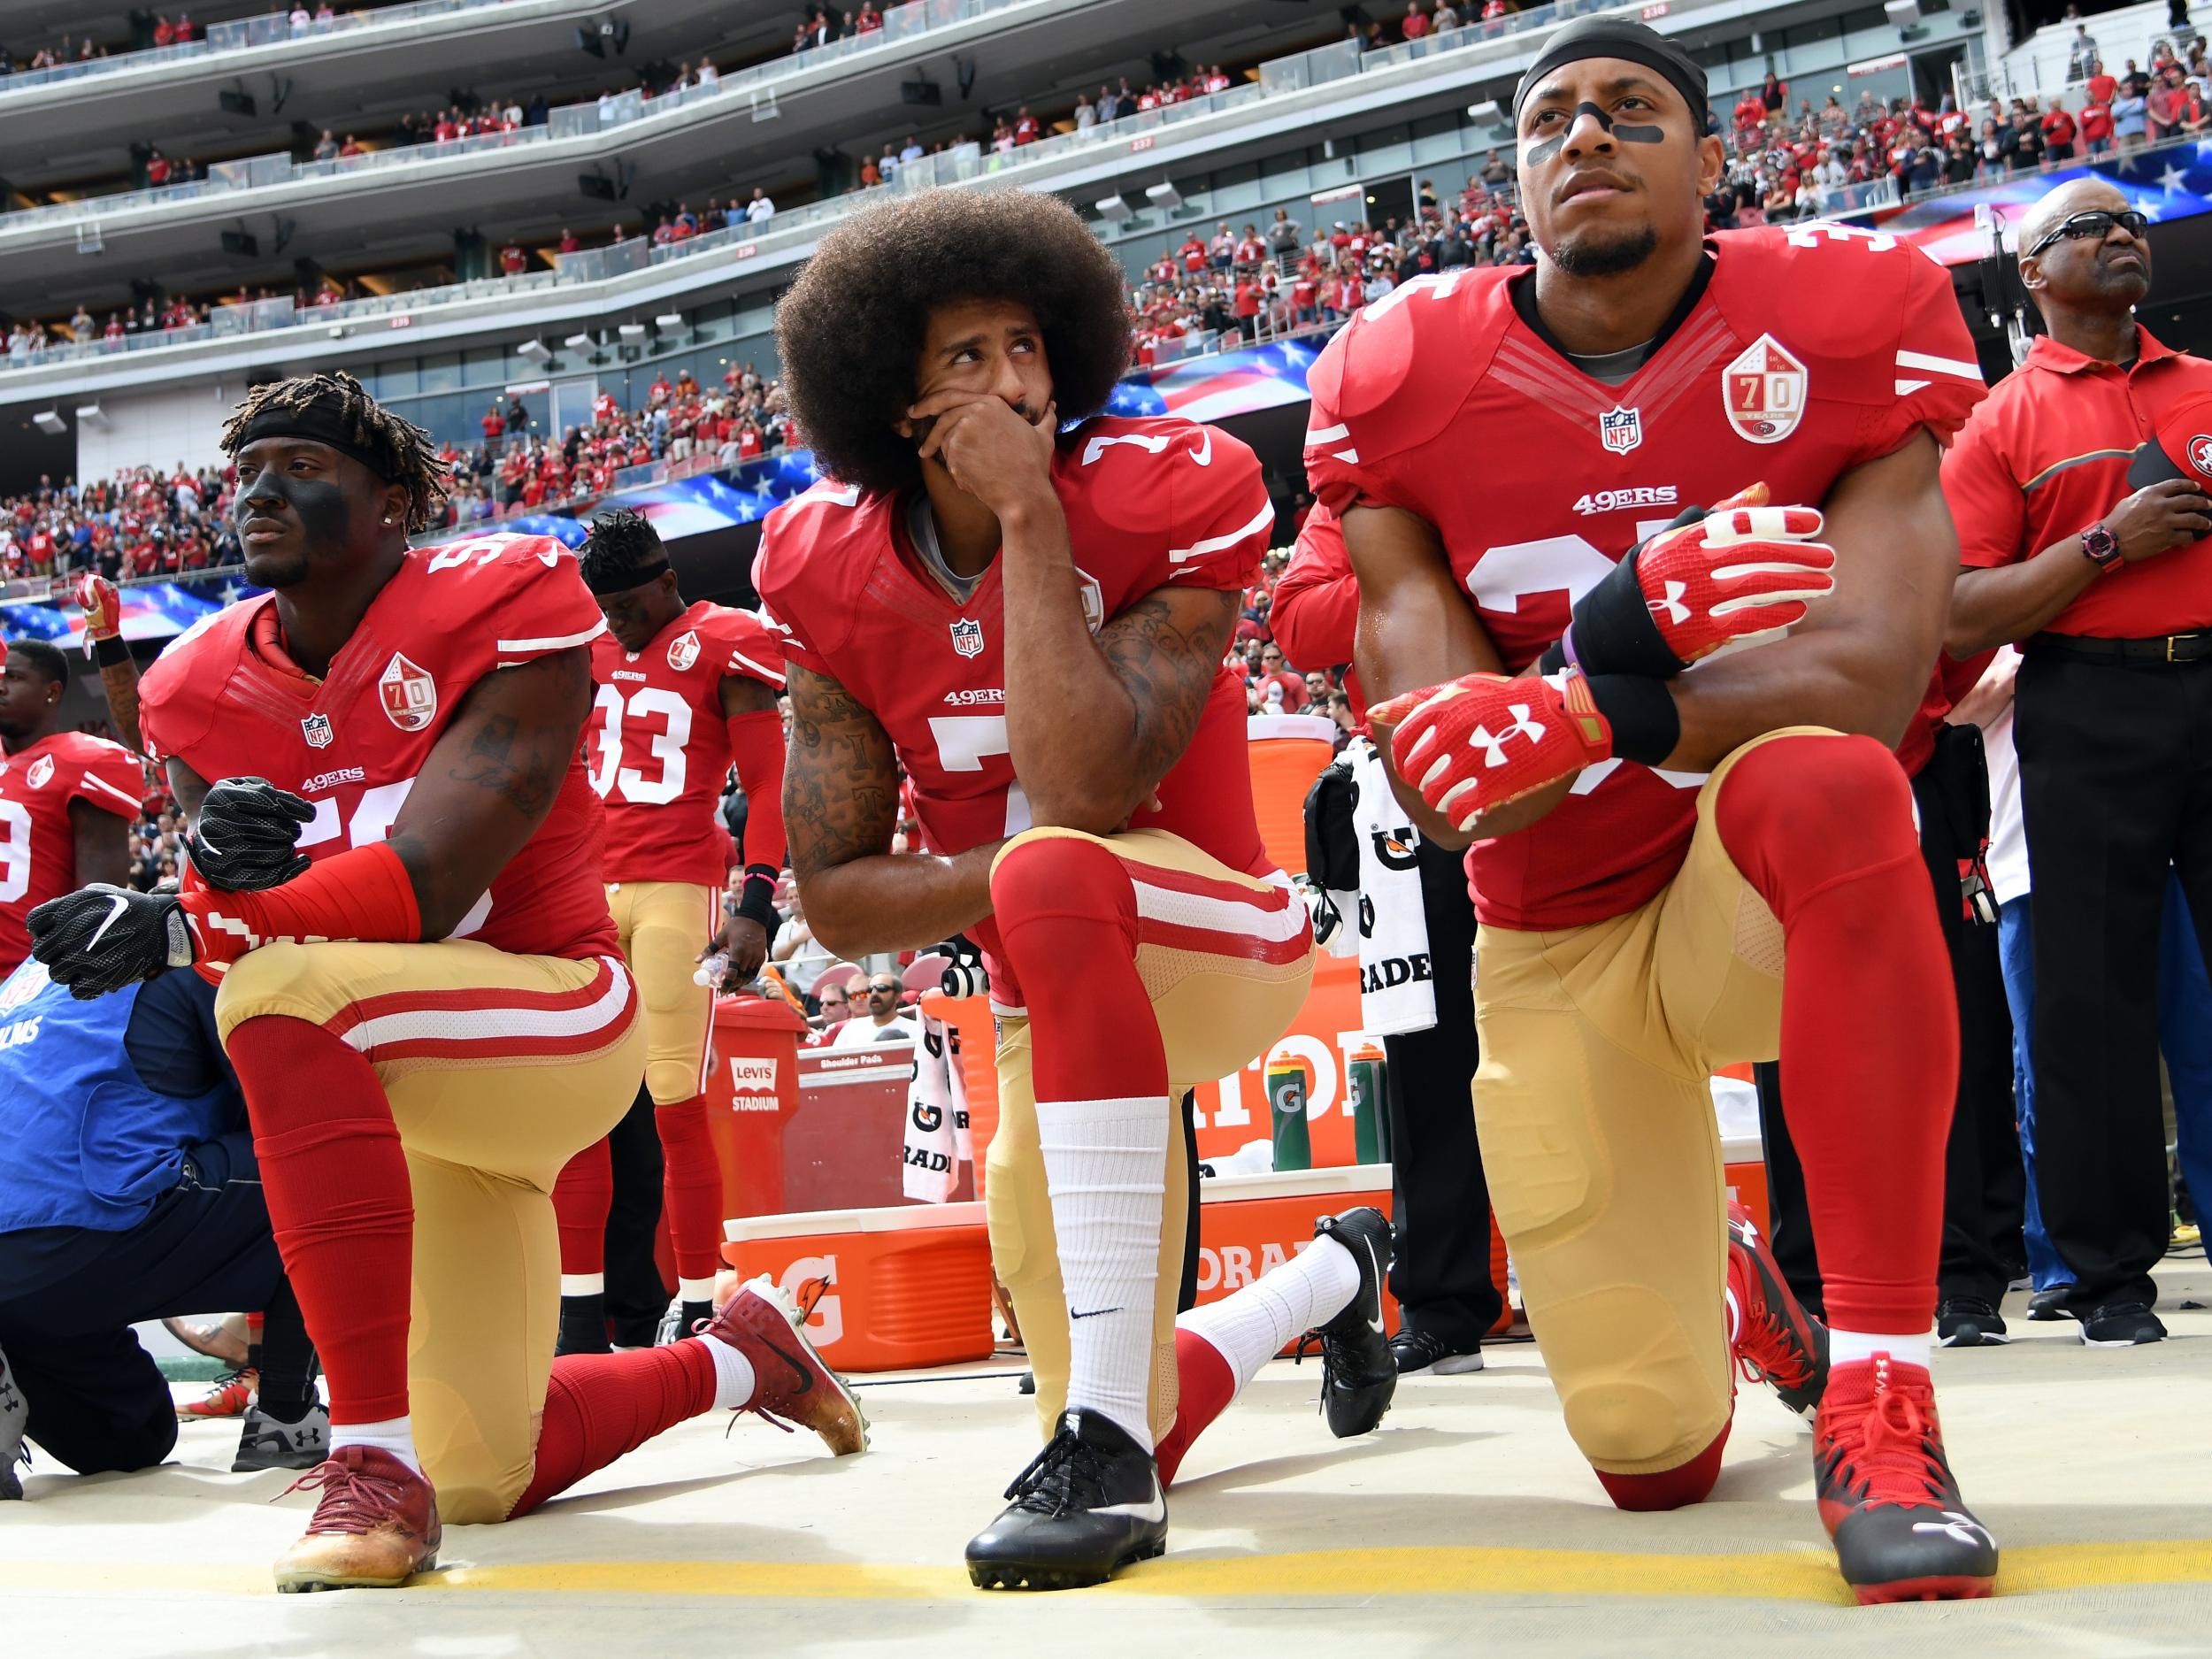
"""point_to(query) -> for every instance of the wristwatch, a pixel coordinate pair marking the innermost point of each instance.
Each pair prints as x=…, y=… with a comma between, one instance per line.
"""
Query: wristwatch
x=2101, y=548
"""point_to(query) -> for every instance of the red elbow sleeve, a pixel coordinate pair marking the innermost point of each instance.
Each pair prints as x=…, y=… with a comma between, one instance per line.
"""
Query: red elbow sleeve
x=757, y=746
x=363, y=893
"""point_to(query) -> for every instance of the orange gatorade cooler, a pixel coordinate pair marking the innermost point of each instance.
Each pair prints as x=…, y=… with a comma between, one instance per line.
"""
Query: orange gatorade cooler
x=1287, y=752
x=899, y=1287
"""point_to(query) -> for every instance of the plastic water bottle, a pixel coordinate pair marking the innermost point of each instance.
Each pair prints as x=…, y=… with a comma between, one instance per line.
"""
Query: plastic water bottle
x=712, y=970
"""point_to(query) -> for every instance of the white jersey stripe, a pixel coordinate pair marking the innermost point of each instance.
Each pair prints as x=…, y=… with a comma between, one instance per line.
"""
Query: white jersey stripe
x=556, y=643
x=1260, y=521
x=495, y=1026
x=1327, y=435
x=1907, y=388
x=1962, y=369
x=1219, y=916
x=773, y=676
x=90, y=781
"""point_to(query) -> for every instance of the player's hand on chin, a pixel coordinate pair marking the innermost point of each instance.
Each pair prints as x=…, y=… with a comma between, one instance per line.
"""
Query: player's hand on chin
x=995, y=454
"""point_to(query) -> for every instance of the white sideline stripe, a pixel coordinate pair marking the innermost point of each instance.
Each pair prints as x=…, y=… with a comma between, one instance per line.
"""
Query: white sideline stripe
x=497, y=1024
x=1219, y=916
x=1958, y=366
x=765, y=673
x=1327, y=435
x=1214, y=543
x=92, y=782
x=558, y=642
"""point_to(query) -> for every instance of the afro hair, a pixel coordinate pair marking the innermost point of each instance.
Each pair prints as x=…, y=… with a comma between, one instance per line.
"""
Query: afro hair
x=851, y=329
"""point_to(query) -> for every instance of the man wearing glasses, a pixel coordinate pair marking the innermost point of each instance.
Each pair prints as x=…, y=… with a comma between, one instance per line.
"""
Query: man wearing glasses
x=882, y=1022
x=834, y=1004
x=2082, y=488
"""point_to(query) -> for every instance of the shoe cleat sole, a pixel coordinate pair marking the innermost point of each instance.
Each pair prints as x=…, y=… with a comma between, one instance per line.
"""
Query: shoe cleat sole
x=1960, y=1589
x=1019, y=1576
x=307, y=1583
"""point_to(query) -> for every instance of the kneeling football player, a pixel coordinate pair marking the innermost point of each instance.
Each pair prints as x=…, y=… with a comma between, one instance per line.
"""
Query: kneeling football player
x=421, y=988
x=1031, y=623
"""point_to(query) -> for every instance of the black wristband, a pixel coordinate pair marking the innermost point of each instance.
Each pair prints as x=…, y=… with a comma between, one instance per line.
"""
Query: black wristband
x=1646, y=723
x=1614, y=631
x=757, y=901
x=107, y=653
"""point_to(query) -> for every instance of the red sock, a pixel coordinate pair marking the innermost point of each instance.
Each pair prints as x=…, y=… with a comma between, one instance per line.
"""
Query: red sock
x=581, y=1199
x=599, y=1406
x=339, y=1203
x=1204, y=1385
x=1670, y=1488
x=1823, y=829
x=691, y=1187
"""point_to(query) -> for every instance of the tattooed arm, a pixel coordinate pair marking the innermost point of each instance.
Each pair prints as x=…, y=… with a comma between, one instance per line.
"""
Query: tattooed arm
x=841, y=803
x=1095, y=724
x=119, y=681
x=490, y=781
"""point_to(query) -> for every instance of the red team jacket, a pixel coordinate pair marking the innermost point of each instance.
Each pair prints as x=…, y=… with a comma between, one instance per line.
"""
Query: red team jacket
x=658, y=741
x=38, y=845
x=223, y=700
x=1812, y=349
x=1149, y=502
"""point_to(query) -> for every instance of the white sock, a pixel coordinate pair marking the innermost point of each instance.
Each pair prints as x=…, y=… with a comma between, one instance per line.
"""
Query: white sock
x=1106, y=1169
x=734, y=1379
x=395, y=1435
x=1257, y=1323
x=1846, y=1346
x=583, y=1284
x=695, y=1289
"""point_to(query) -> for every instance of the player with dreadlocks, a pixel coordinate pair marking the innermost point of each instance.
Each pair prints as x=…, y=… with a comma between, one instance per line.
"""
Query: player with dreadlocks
x=683, y=691
x=393, y=853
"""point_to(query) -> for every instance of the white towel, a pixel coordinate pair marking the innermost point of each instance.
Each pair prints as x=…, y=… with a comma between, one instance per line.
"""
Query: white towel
x=1397, y=991
x=937, y=1138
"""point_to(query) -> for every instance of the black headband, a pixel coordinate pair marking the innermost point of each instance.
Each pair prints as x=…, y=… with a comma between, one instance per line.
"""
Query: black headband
x=322, y=421
x=1615, y=37
x=613, y=581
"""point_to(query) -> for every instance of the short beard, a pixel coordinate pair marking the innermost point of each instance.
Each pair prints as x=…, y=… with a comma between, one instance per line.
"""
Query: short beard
x=1592, y=255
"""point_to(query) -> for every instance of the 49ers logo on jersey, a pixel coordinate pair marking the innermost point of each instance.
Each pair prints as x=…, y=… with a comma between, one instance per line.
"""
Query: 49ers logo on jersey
x=1764, y=391
x=683, y=650
x=410, y=695
x=39, y=771
x=967, y=637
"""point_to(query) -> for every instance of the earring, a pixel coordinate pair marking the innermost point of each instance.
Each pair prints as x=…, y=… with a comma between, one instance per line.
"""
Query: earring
x=388, y=517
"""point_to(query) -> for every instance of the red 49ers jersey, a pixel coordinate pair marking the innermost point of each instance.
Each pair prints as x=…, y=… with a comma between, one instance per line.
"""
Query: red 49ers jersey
x=1149, y=503
x=659, y=748
x=38, y=844
x=354, y=743
x=1811, y=351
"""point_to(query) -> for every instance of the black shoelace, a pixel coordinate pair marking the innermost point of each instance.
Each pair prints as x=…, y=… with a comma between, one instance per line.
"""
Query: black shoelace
x=1069, y=1474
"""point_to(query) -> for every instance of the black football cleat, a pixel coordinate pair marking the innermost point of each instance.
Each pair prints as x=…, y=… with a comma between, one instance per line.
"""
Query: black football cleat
x=1419, y=1353
x=1887, y=1496
x=267, y=1441
x=1088, y=1505
x=1776, y=1342
x=1358, y=1372
x=1968, y=1322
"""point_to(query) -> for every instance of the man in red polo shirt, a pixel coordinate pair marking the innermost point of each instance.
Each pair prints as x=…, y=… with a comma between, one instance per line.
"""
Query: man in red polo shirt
x=2082, y=489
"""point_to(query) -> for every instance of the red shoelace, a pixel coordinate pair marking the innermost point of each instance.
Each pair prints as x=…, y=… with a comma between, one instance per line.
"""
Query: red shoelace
x=1886, y=1446
x=352, y=1501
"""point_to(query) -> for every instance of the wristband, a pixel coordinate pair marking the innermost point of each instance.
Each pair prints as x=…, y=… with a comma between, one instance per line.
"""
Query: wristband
x=1613, y=631
x=1647, y=725
x=108, y=652
x=756, y=900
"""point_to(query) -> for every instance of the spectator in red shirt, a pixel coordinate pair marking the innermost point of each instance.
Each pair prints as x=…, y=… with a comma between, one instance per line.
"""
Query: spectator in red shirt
x=2103, y=87
x=1192, y=253
x=2059, y=128
x=512, y=260
x=1026, y=130
x=157, y=168
x=1415, y=26
x=2096, y=126
x=165, y=31
x=2168, y=102
x=569, y=245
x=1244, y=305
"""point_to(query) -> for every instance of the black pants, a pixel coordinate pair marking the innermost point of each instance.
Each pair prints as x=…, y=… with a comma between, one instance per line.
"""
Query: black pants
x=1984, y=1186
x=2116, y=779
x=636, y=1297
x=98, y=1399
x=1440, y=1203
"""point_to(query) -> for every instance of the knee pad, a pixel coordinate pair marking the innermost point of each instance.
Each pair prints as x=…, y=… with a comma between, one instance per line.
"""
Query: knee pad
x=1638, y=1392
x=1798, y=814
x=1057, y=874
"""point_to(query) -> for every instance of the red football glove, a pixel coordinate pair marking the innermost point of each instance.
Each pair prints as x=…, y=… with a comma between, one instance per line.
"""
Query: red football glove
x=1482, y=739
x=103, y=608
x=1710, y=578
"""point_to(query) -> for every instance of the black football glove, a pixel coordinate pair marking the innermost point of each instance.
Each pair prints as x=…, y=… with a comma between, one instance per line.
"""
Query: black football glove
x=241, y=840
x=103, y=938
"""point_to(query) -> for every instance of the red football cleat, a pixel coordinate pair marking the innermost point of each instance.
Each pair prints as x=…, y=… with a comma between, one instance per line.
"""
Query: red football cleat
x=1775, y=1340
x=792, y=1385
x=375, y=1527
x=1887, y=1492
x=232, y=1392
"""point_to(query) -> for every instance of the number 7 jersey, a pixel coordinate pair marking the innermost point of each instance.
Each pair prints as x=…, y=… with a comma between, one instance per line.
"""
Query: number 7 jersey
x=1811, y=351
x=226, y=700
x=659, y=745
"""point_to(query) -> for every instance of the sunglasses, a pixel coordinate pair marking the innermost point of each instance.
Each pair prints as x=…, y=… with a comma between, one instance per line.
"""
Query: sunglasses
x=2097, y=223
x=888, y=990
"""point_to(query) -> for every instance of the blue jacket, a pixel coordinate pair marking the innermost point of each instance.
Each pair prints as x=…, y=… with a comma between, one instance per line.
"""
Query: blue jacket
x=101, y=1102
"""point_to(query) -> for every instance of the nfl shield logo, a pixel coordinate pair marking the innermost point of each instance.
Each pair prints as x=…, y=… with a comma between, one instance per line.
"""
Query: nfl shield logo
x=1621, y=430
x=39, y=771
x=1764, y=392
x=410, y=695
x=316, y=729
x=683, y=650
x=967, y=637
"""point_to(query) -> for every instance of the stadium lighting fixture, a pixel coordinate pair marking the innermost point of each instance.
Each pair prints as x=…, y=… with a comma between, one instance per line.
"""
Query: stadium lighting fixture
x=536, y=350
x=1114, y=208
x=633, y=334
x=1487, y=110
x=49, y=422
x=669, y=322
x=580, y=342
x=92, y=415
x=1164, y=197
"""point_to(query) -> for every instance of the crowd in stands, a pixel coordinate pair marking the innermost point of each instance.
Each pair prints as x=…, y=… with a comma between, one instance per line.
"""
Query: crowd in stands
x=144, y=521
x=158, y=31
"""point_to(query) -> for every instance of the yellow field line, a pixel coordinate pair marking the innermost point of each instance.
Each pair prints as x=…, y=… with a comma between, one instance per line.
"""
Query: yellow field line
x=1795, y=1575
